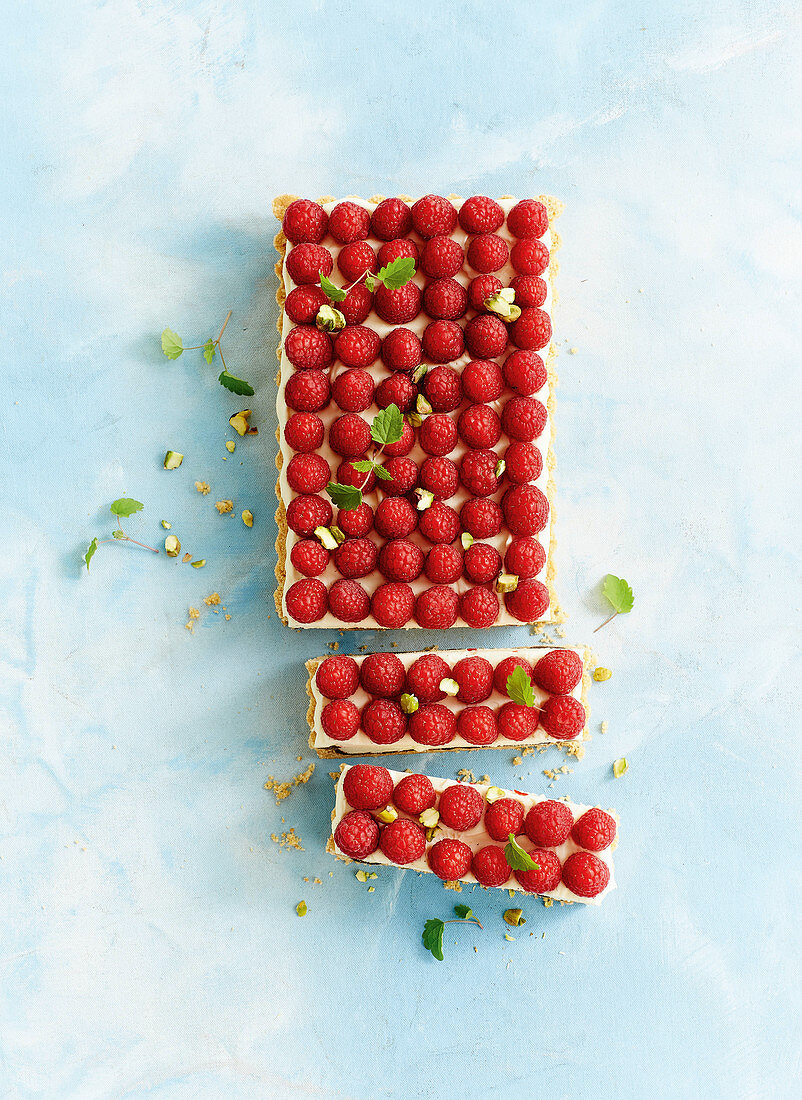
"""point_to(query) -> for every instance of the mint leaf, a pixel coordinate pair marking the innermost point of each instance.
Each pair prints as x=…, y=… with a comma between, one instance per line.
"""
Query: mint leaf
x=463, y=911
x=125, y=506
x=618, y=593
x=398, y=273
x=90, y=553
x=346, y=497
x=209, y=350
x=236, y=385
x=517, y=858
x=364, y=465
x=433, y=937
x=382, y=474
x=334, y=293
x=387, y=426
x=172, y=344
x=519, y=687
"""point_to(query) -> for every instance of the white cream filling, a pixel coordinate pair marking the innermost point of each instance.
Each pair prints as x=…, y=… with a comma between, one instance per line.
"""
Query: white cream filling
x=380, y=372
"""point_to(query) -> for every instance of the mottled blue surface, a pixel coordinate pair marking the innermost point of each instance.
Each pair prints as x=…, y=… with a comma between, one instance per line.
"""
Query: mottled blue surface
x=149, y=941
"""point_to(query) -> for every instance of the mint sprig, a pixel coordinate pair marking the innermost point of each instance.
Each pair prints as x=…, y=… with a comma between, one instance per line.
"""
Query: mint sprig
x=387, y=427
x=173, y=347
x=518, y=859
x=393, y=276
x=332, y=292
x=618, y=594
x=434, y=928
x=121, y=508
x=519, y=687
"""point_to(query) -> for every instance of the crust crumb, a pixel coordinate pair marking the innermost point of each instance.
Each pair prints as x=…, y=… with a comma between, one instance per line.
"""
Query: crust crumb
x=224, y=507
x=457, y=886
x=282, y=790
x=289, y=839
x=203, y=488
x=212, y=600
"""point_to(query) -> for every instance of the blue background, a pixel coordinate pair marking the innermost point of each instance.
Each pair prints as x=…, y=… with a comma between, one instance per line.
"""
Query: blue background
x=150, y=945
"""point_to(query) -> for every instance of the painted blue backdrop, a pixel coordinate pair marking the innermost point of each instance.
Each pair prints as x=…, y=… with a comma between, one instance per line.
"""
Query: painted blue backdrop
x=149, y=945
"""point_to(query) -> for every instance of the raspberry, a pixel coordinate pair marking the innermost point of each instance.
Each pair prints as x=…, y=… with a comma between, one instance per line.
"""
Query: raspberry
x=595, y=830
x=528, y=218
x=558, y=672
x=523, y=463
x=308, y=348
x=546, y=878
x=482, y=381
x=439, y=523
x=441, y=258
x=424, y=677
x=403, y=841
x=349, y=222
x=482, y=563
x=367, y=787
x=337, y=677
x=450, y=859
x=356, y=305
x=355, y=522
x=440, y=477
x=443, y=389
x=383, y=675
x=400, y=560
x=307, y=391
x=414, y=793
x=445, y=299
x=302, y=304
x=479, y=426
x=396, y=390
x=356, y=557
x=529, y=257
x=309, y=557
x=523, y=418
x=353, y=390
x=438, y=434
x=443, y=341
x=304, y=221
x=563, y=717
x=349, y=436
x=392, y=605
x=398, y=250
x=524, y=558
x=308, y=473
x=477, y=725
x=532, y=330
x=433, y=215
x=485, y=337
x=481, y=517
x=585, y=874
x=399, y=305
x=461, y=807
x=357, y=346
x=517, y=722
x=477, y=471
x=475, y=678
x=504, y=817
x=348, y=601
x=479, y=214
x=479, y=607
x=529, y=602
x=307, y=262
x=357, y=835
x=503, y=670
x=405, y=444
x=304, y=432
x=340, y=719
x=306, y=600
x=403, y=476
x=347, y=474
x=548, y=824
x=355, y=259
x=305, y=513
x=525, y=373
x=490, y=867
x=529, y=290
x=401, y=350
x=395, y=518
x=384, y=722
x=483, y=286
x=443, y=564
x=437, y=608
x=526, y=509
x=488, y=253
x=391, y=218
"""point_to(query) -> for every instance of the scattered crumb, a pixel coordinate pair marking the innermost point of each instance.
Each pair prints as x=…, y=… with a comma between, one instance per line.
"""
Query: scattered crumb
x=517, y=760
x=507, y=936
x=212, y=600
x=560, y=632
x=465, y=775
x=333, y=645
x=282, y=790
x=601, y=674
x=334, y=775
x=289, y=839
x=484, y=778
x=228, y=617
x=224, y=506
x=604, y=727
x=299, y=759
x=573, y=351
x=194, y=613
x=371, y=889
x=548, y=902
x=202, y=487
x=511, y=893
x=230, y=446
x=453, y=886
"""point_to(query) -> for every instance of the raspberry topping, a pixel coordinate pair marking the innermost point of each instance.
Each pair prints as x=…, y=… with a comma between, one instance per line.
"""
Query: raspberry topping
x=392, y=605
x=424, y=677
x=585, y=874
x=396, y=390
x=349, y=222
x=479, y=214
x=524, y=558
x=401, y=350
x=530, y=290
x=563, y=717
x=485, y=337
x=307, y=474
x=384, y=722
x=523, y=418
x=482, y=381
x=546, y=878
x=306, y=262
x=504, y=817
x=482, y=563
x=461, y=807
x=304, y=432
x=399, y=249
x=532, y=330
x=443, y=341
x=558, y=672
x=349, y=436
x=354, y=260
x=306, y=600
x=475, y=678
x=503, y=670
x=356, y=305
x=517, y=722
x=548, y=824
x=489, y=865
x=450, y=858
x=340, y=719
x=367, y=786
x=309, y=557
x=337, y=677
x=349, y=601
x=595, y=830
x=442, y=258
x=391, y=218
x=439, y=476
x=524, y=463
x=405, y=444
x=403, y=841
x=399, y=305
x=400, y=560
x=529, y=602
x=477, y=725
x=439, y=523
x=357, y=346
x=525, y=372
x=302, y=304
x=395, y=518
x=445, y=299
x=355, y=522
x=481, y=517
x=432, y=216
x=307, y=391
x=438, y=434
x=305, y=513
x=356, y=557
x=382, y=674
x=308, y=348
x=479, y=607
x=357, y=835
x=529, y=257
x=353, y=390
x=437, y=608
x=305, y=221
x=477, y=471
x=488, y=253
x=443, y=564
x=481, y=288
x=526, y=509
x=479, y=426
x=414, y=793
x=528, y=218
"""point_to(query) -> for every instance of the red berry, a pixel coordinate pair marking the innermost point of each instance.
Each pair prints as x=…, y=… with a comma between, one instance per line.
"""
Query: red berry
x=443, y=341
x=348, y=601
x=443, y=564
x=414, y=793
x=445, y=299
x=477, y=725
x=532, y=330
x=392, y=605
x=357, y=346
x=504, y=817
x=399, y=249
x=461, y=807
x=438, y=434
x=305, y=220
x=357, y=835
x=517, y=722
x=529, y=602
x=439, y=523
x=309, y=557
x=485, y=337
x=585, y=874
x=349, y=436
x=353, y=390
x=479, y=607
x=450, y=858
x=546, y=878
x=307, y=262
x=548, y=824
x=441, y=258
x=479, y=426
x=403, y=476
x=482, y=563
x=405, y=444
x=524, y=418
x=367, y=786
x=307, y=391
x=439, y=476
x=529, y=257
x=399, y=305
x=356, y=557
x=356, y=305
x=481, y=288
x=305, y=513
x=356, y=259
x=563, y=717
x=349, y=222
x=503, y=670
x=337, y=677
x=395, y=518
x=401, y=350
x=400, y=560
x=526, y=509
x=355, y=522
x=384, y=722
x=424, y=677
x=529, y=290
x=490, y=867
x=433, y=215
x=528, y=218
x=308, y=474
x=302, y=304
x=437, y=608
x=488, y=253
x=403, y=841
x=304, y=432
x=398, y=390
x=442, y=388
x=306, y=600
x=524, y=558
x=595, y=830
x=479, y=214
x=308, y=348
x=477, y=471
x=475, y=678
x=559, y=671
x=482, y=381
x=523, y=463
x=391, y=218
x=481, y=517
x=340, y=719
x=525, y=373
x=383, y=675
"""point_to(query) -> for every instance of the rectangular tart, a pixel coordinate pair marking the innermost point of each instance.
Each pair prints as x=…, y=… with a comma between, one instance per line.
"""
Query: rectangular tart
x=361, y=744
x=506, y=602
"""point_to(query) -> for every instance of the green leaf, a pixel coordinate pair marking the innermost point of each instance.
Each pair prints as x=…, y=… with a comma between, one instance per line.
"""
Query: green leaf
x=398, y=273
x=387, y=426
x=125, y=506
x=463, y=911
x=519, y=687
x=382, y=474
x=433, y=937
x=90, y=553
x=236, y=385
x=334, y=293
x=517, y=858
x=209, y=350
x=172, y=344
x=346, y=497
x=618, y=593
x=364, y=465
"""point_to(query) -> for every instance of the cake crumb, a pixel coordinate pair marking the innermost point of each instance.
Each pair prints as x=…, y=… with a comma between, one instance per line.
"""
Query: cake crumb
x=465, y=775
x=224, y=507
x=194, y=613
x=282, y=790
x=484, y=779
x=212, y=600
x=548, y=902
x=560, y=632
x=334, y=775
x=202, y=487
x=333, y=645
x=290, y=839
x=456, y=885
x=604, y=727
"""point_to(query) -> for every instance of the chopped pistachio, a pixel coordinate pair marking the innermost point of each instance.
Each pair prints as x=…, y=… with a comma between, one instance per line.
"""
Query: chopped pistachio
x=409, y=703
x=301, y=909
x=507, y=582
x=425, y=499
x=414, y=419
x=329, y=319
x=371, y=889
x=423, y=406
x=601, y=674
x=325, y=536
x=501, y=466
x=239, y=422
x=361, y=876
x=373, y=875
x=172, y=460
x=449, y=686
x=230, y=446
x=247, y=517
x=419, y=373
x=466, y=538
x=338, y=534
x=166, y=525
x=514, y=917
x=502, y=305
x=507, y=936
x=187, y=557
x=387, y=816
x=620, y=766
x=172, y=547
x=494, y=794
x=429, y=818
x=199, y=564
